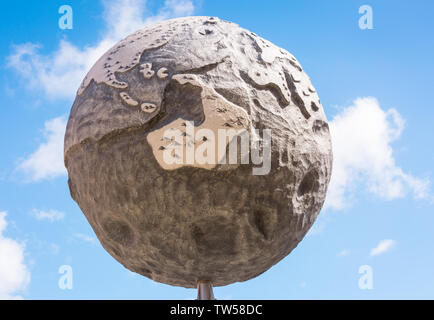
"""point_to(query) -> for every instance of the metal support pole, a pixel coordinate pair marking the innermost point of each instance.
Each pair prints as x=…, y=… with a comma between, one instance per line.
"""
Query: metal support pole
x=204, y=290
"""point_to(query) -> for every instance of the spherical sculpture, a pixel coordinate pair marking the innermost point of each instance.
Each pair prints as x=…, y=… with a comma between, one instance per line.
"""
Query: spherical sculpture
x=170, y=191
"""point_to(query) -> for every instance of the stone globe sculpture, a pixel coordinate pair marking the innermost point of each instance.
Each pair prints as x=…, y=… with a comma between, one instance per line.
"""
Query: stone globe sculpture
x=198, y=151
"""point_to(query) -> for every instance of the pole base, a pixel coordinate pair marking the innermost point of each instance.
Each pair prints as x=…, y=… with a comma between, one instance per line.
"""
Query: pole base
x=204, y=290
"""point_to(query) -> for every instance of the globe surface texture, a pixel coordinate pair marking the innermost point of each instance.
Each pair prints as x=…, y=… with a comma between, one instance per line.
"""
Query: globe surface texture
x=181, y=221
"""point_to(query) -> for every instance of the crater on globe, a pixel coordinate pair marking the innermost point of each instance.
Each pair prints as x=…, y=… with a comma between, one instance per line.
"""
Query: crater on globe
x=143, y=152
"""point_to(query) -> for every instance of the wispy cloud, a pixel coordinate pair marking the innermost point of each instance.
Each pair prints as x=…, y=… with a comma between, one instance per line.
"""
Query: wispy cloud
x=383, y=247
x=363, y=155
x=85, y=238
x=47, y=161
x=14, y=274
x=59, y=73
x=343, y=253
x=51, y=215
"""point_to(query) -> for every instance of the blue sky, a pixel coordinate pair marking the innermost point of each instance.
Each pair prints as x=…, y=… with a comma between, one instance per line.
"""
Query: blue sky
x=375, y=86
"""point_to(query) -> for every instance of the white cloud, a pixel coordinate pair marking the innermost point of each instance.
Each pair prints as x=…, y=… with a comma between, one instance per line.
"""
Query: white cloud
x=60, y=73
x=383, y=246
x=124, y=17
x=47, y=161
x=52, y=215
x=85, y=237
x=363, y=156
x=14, y=275
x=343, y=253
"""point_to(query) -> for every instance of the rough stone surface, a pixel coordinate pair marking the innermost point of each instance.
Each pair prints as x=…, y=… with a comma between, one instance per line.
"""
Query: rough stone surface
x=181, y=223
